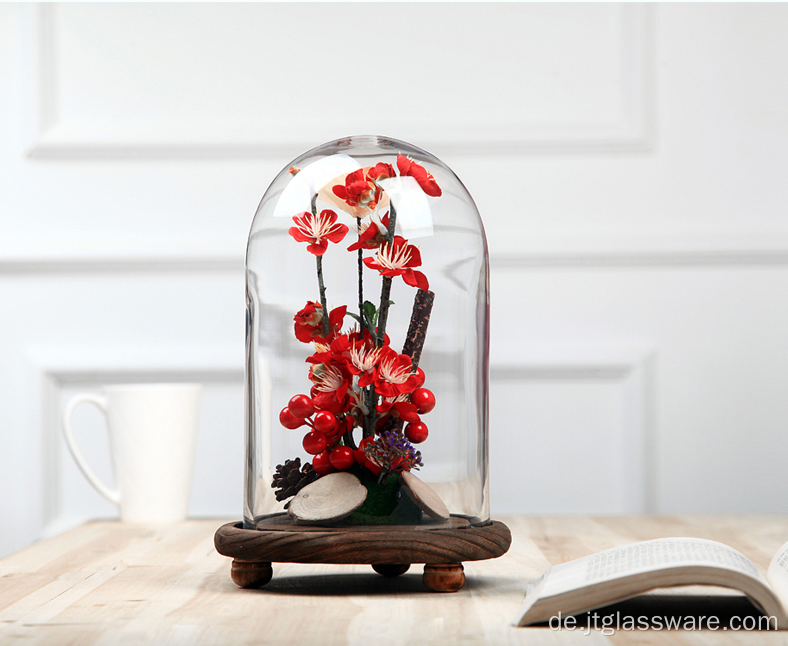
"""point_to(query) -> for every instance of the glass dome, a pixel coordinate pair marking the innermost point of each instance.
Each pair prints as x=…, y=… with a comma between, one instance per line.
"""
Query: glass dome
x=366, y=348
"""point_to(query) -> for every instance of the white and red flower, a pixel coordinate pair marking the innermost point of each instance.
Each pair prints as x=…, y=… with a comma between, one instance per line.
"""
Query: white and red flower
x=394, y=374
x=331, y=382
x=398, y=259
x=318, y=230
x=409, y=168
x=337, y=351
x=363, y=361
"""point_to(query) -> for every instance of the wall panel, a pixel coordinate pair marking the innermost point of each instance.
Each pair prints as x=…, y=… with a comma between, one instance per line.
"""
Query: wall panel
x=252, y=79
x=572, y=434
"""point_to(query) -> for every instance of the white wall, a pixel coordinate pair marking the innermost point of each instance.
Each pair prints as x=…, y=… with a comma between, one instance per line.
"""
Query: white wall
x=629, y=162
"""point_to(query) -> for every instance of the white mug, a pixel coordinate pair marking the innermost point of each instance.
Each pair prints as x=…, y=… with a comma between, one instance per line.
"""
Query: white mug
x=152, y=439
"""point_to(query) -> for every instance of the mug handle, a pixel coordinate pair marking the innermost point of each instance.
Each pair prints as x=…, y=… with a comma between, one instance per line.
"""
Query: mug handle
x=113, y=495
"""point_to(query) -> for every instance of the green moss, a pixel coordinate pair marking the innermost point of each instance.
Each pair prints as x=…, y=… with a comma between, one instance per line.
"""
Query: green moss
x=381, y=497
x=386, y=504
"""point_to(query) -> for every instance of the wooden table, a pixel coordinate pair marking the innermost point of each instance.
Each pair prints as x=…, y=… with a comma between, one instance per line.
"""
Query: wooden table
x=108, y=583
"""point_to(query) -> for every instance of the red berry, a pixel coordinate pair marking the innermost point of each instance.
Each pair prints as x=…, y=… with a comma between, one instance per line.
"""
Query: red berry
x=301, y=406
x=342, y=427
x=288, y=420
x=314, y=442
x=423, y=400
x=322, y=464
x=416, y=432
x=325, y=422
x=419, y=377
x=342, y=458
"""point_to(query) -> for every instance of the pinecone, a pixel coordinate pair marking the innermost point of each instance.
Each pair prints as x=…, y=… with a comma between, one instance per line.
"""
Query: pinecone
x=290, y=478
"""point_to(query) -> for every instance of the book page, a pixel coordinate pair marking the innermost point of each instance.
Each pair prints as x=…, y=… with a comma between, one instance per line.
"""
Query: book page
x=778, y=574
x=644, y=557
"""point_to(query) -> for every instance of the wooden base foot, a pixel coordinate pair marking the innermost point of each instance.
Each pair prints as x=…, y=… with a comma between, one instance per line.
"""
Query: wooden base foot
x=444, y=578
x=391, y=569
x=251, y=574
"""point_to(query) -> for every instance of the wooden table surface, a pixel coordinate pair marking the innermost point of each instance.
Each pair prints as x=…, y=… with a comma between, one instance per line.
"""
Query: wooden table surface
x=110, y=583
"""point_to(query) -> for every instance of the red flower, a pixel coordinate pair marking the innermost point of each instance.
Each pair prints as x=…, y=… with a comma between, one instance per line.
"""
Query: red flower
x=358, y=191
x=371, y=237
x=409, y=168
x=363, y=459
x=398, y=407
x=335, y=352
x=380, y=171
x=309, y=323
x=318, y=230
x=393, y=375
x=398, y=259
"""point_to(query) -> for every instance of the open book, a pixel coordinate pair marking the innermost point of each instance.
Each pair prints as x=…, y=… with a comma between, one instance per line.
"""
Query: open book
x=624, y=572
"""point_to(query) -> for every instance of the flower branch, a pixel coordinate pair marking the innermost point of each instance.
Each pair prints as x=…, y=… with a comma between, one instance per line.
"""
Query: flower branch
x=358, y=380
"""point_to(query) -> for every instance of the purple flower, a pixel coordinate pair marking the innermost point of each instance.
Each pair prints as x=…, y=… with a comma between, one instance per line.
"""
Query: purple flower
x=393, y=452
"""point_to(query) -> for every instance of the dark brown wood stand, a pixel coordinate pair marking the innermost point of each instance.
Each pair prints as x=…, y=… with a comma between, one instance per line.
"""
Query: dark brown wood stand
x=390, y=549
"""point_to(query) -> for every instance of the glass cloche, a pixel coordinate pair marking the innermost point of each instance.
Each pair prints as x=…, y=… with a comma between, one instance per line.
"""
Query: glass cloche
x=366, y=343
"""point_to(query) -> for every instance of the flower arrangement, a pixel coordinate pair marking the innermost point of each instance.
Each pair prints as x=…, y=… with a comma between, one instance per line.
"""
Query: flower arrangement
x=363, y=411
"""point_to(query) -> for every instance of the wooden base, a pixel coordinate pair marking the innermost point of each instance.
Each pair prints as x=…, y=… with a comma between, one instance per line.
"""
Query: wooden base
x=390, y=550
